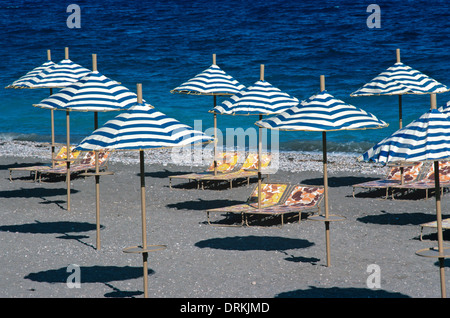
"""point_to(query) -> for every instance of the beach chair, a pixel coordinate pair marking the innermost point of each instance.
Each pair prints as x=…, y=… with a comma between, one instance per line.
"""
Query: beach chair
x=87, y=163
x=271, y=194
x=394, y=177
x=433, y=224
x=58, y=161
x=288, y=199
x=427, y=182
x=300, y=199
x=249, y=169
x=226, y=162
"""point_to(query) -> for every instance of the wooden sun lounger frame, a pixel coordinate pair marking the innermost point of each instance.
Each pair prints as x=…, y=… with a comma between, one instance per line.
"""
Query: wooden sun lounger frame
x=77, y=167
x=276, y=209
x=425, y=183
x=388, y=183
x=35, y=170
x=197, y=176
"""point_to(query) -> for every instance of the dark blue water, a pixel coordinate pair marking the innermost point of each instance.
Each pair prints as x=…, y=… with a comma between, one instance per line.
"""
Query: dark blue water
x=161, y=44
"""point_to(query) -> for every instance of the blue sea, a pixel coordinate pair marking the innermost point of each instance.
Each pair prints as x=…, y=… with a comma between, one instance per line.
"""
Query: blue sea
x=162, y=44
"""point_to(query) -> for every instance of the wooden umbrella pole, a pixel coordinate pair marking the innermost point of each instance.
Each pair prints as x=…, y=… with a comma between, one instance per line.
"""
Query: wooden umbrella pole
x=325, y=185
x=400, y=116
x=439, y=216
x=143, y=212
x=52, y=119
x=261, y=78
x=144, y=223
x=68, y=158
x=325, y=181
x=66, y=53
x=215, y=138
x=259, y=164
x=215, y=125
x=97, y=198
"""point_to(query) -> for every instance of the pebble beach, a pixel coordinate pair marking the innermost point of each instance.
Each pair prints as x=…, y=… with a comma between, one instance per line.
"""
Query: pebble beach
x=42, y=241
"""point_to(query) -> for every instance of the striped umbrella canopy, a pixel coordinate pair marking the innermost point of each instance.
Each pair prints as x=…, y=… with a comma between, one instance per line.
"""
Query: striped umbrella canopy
x=323, y=112
x=139, y=128
x=212, y=81
x=21, y=83
x=400, y=79
x=262, y=98
x=93, y=93
x=58, y=75
x=425, y=139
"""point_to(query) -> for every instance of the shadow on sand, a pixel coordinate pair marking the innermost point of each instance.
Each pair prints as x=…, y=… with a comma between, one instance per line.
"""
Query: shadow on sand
x=93, y=274
x=337, y=292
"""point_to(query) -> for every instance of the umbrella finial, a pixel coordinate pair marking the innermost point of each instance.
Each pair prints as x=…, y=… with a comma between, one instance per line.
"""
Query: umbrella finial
x=66, y=53
x=94, y=62
x=398, y=55
x=322, y=83
x=433, y=101
x=261, y=72
x=139, y=93
x=49, y=55
x=214, y=59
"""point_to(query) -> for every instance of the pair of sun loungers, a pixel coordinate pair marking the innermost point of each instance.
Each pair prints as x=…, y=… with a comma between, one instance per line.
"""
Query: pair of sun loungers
x=418, y=176
x=277, y=199
x=81, y=162
x=229, y=167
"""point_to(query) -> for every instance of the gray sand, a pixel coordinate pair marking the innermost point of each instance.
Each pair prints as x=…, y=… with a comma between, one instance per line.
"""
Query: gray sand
x=40, y=239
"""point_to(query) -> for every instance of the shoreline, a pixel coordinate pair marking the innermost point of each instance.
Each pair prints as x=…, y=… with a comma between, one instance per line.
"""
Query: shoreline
x=286, y=160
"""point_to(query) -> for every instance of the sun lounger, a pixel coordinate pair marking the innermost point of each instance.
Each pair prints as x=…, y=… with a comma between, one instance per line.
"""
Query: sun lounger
x=301, y=199
x=87, y=163
x=410, y=173
x=426, y=183
x=58, y=161
x=226, y=162
x=433, y=224
x=277, y=200
x=249, y=169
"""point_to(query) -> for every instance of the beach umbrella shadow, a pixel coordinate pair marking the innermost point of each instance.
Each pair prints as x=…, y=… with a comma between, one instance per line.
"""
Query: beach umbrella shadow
x=407, y=218
x=60, y=227
x=202, y=205
x=93, y=274
x=339, y=292
x=335, y=182
x=252, y=243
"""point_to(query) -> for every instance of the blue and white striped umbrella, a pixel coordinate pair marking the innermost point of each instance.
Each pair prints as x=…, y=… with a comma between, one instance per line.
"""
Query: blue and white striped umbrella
x=322, y=112
x=142, y=127
x=59, y=75
x=401, y=79
x=259, y=99
x=426, y=138
x=212, y=81
x=21, y=82
x=94, y=92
